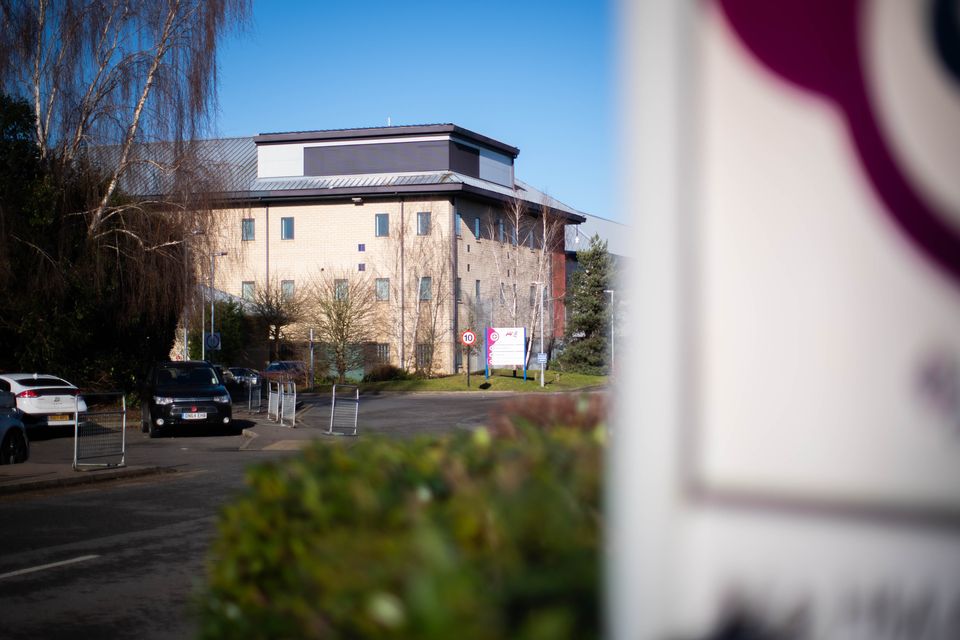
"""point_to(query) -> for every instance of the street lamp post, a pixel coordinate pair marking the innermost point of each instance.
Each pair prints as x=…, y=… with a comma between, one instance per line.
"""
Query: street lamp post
x=543, y=365
x=213, y=258
x=613, y=323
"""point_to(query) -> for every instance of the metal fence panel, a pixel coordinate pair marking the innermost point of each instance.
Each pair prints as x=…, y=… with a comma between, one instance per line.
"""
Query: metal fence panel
x=273, y=400
x=100, y=433
x=255, y=397
x=288, y=402
x=344, y=410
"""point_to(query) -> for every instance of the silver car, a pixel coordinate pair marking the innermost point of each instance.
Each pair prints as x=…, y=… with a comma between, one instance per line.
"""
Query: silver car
x=44, y=400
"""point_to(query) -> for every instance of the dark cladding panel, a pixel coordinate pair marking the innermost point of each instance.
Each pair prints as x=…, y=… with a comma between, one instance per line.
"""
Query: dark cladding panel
x=464, y=159
x=376, y=158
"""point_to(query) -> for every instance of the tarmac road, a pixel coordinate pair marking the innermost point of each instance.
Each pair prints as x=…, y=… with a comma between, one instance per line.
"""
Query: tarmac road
x=125, y=558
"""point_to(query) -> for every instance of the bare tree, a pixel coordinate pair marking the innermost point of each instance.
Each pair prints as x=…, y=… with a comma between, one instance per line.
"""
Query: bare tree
x=278, y=310
x=526, y=239
x=421, y=293
x=342, y=305
x=120, y=90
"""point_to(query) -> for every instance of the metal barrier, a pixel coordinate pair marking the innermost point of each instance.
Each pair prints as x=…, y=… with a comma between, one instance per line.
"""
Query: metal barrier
x=100, y=432
x=344, y=409
x=273, y=400
x=288, y=402
x=255, y=397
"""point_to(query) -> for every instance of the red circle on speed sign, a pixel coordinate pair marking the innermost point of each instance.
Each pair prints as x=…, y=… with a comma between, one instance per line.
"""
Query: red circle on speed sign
x=468, y=338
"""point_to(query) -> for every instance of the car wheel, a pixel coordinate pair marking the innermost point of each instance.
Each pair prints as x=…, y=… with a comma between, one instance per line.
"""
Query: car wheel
x=14, y=448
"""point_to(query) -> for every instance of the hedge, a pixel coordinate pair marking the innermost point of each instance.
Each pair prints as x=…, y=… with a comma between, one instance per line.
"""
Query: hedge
x=482, y=535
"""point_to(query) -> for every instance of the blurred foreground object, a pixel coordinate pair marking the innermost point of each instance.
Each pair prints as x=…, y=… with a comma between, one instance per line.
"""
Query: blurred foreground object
x=790, y=437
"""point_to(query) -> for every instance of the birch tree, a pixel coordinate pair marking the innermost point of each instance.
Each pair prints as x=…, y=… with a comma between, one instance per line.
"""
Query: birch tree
x=342, y=305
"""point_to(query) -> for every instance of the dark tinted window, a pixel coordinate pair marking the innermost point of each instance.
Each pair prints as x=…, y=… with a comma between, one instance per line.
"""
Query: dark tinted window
x=44, y=382
x=197, y=376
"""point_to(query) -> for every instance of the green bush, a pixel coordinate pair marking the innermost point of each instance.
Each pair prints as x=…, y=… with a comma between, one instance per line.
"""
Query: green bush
x=479, y=535
x=385, y=373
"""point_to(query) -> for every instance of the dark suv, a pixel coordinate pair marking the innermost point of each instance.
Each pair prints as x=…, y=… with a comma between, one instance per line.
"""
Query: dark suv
x=187, y=393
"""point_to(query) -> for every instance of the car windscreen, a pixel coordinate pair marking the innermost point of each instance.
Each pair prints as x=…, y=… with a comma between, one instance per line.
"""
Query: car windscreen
x=186, y=376
x=43, y=382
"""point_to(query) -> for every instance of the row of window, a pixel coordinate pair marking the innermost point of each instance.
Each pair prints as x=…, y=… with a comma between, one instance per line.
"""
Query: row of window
x=382, y=290
x=382, y=228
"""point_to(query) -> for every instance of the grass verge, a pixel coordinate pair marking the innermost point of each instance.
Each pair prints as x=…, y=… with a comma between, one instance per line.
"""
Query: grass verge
x=500, y=380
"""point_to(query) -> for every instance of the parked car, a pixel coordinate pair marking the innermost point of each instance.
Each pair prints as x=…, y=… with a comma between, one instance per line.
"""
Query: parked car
x=14, y=445
x=249, y=377
x=286, y=370
x=184, y=394
x=235, y=388
x=44, y=400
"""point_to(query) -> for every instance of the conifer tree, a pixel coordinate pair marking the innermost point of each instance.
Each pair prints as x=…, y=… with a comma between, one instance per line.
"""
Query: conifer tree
x=588, y=327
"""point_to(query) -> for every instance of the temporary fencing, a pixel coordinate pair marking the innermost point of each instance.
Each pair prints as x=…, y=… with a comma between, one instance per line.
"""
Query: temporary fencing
x=344, y=410
x=99, y=436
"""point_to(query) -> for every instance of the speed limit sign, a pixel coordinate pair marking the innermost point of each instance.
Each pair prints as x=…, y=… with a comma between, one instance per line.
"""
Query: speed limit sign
x=468, y=338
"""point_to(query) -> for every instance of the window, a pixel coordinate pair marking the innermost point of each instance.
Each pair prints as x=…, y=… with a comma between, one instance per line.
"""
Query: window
x=530, y=239
x=286, y=228
x=500, y=229
x=382, y=352
x=424, y=355
x=383, y=289
x=247, y=290
x=458, y=225
x=247, y=229
x=340, y=289
x=476, y=227
x=513, y=234
x=383, y=225
x=456, y=291
x=361, y=247
x=533, y=294
x=468, y=267
x=426, y=288
x=361, y=267
x=503, y=295
x=423, y=223
x=476, y=291
x=286, y=289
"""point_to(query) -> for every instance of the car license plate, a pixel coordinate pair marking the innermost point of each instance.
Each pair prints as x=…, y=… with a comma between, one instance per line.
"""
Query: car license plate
x=194, y=416
x=58, y=417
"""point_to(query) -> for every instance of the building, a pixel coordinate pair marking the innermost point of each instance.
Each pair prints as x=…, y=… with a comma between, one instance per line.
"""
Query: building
x=432, y=216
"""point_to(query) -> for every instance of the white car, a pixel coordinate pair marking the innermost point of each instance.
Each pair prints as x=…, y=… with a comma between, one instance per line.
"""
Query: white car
x=44, y=400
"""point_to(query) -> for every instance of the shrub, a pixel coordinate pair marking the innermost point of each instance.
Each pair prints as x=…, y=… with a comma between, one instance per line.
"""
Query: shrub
x=473, y=536
x=385, y=372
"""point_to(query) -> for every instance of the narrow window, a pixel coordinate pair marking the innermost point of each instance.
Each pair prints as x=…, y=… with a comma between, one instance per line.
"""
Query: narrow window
x=286, y=228
x=457, y=291
x=533, y=294
x=424, y=355
x=423, y=223
x=383, y=289
x=468, y=267
x=476, y=228
x=426, y=288
x=503, y=294
x=247, y=229
x=476, y=291
x=383, y=352
x=361, y=247
x=286, y=290
x=513, y=234
x=500, y=229
x=361, y=267
x=458, y=225
x=340, y=289
x=383, y=225
x=247, y=290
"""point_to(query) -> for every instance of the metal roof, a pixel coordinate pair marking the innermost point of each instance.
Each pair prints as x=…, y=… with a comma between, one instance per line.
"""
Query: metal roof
x=230, y=167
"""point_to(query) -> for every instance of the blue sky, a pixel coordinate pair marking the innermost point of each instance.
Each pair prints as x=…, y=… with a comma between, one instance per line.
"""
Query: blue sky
x=535, y=74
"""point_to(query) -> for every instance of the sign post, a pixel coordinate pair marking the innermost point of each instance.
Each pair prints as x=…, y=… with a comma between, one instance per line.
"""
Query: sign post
x=468, y=338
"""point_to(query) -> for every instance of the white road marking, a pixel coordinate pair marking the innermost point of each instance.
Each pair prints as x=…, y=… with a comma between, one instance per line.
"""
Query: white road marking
x=43, y=567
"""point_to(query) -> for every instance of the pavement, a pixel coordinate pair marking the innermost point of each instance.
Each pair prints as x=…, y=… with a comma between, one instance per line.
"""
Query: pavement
x=56, y=471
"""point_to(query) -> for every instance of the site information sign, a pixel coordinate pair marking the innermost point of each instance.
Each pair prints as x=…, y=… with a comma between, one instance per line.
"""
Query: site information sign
x=506, y=346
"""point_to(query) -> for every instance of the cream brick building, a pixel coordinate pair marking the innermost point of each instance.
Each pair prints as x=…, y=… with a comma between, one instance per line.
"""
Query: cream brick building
x=433, y=215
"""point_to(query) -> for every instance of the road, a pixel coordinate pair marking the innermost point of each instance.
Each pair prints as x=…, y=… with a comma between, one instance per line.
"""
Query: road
x=125, y=559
